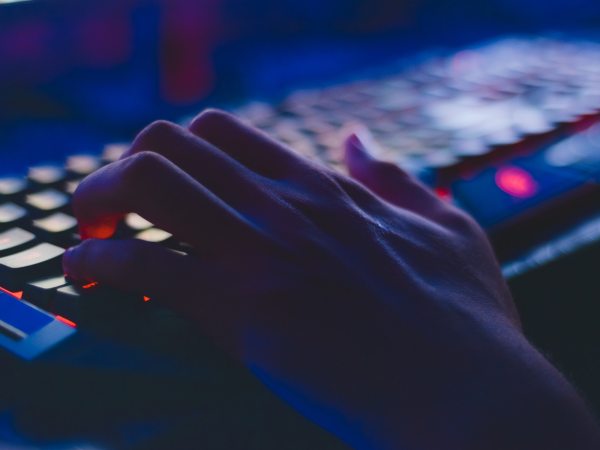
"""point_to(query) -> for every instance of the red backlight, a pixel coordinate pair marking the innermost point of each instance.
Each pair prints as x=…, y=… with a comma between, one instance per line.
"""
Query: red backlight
x=66, y=321
x=516, y=182
x=18, y=294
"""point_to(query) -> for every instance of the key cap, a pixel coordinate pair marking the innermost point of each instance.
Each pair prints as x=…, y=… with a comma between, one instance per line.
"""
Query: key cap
x=34, y=263
x=155, y=235
x=57, y=228
x=47, y=201
x=41, y=292
x=15, y=240
x=72, y=185
x=112, y=152
x=47, y=175
x=137, y=222
x=11, y=215
x=82, y=165
x=90, y=303
x=12, y=187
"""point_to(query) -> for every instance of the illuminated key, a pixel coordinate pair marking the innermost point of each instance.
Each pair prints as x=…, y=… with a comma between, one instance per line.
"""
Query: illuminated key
x=11, y=215
x=154, y=235
x=12, y=186
x=137, y=222
x=46, y=175
x=71, y=186
x=82, y=165
x=47, y=200
x=42, y=292
x=57, y=228
x=56, y=223
x=112, y=152
x=15, y=240
x=42, y=260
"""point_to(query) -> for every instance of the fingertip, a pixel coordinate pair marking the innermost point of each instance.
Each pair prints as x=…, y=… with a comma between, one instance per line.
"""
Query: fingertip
x=71, y=263
x=360, y=146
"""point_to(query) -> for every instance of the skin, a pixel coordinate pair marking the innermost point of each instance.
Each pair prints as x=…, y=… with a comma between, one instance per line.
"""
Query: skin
x=372, y=307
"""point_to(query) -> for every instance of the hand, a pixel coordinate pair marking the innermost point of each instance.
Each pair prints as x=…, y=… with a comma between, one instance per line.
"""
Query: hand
x=371, y=306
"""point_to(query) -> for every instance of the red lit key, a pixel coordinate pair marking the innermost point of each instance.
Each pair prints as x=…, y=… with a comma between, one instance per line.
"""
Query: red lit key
x=34, y=263
x=15, y=240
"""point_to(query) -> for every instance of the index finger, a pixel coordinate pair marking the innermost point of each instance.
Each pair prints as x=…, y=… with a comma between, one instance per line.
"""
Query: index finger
x=156, y=189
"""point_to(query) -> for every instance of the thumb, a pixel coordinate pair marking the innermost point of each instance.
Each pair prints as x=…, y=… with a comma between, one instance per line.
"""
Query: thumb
x=384, y=178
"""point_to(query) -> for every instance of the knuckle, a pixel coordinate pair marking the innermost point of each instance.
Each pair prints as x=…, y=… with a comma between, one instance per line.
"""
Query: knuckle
x=210, y=118
x=462, y=223
x=140, y=167
x=156, y=132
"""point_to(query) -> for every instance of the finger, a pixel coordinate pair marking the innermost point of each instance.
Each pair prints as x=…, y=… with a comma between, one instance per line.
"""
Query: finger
x=131, y=266
x=197, y=290
x=388, y=181
x=220, y=173
x=251, y=147
x=156, y=189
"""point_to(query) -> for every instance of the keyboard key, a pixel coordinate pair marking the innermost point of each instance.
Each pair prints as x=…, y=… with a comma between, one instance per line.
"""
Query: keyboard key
x=112, y=152
x=47, y=201
x=93, y=303
x=72, y=185
x=57, y=228
x=11, y=215
x=15, y=240
x=41, y=292
x=82, y=165
x=12, y=187
x=16, y=270
x=46, y=175
x=137, y=222
x=155, y=235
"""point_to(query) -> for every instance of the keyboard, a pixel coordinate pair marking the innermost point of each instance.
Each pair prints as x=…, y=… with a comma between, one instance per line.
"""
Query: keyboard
x=482, y=126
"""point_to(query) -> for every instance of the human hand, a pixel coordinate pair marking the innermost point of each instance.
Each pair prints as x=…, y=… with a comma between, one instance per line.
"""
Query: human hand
x=372, y=307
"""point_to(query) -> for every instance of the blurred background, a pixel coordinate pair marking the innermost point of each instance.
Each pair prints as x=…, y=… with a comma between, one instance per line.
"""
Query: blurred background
x=108, y=67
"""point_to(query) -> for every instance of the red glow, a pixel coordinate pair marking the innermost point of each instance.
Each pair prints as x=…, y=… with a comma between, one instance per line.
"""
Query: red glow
x=90, y=285
x=18, y=294
x=444, y=193
x=516, y=182
x=66, y=321
x=146, y=299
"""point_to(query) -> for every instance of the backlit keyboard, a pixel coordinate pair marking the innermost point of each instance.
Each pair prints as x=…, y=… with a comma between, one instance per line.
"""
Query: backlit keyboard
x=488, y=127
x=509, y=131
